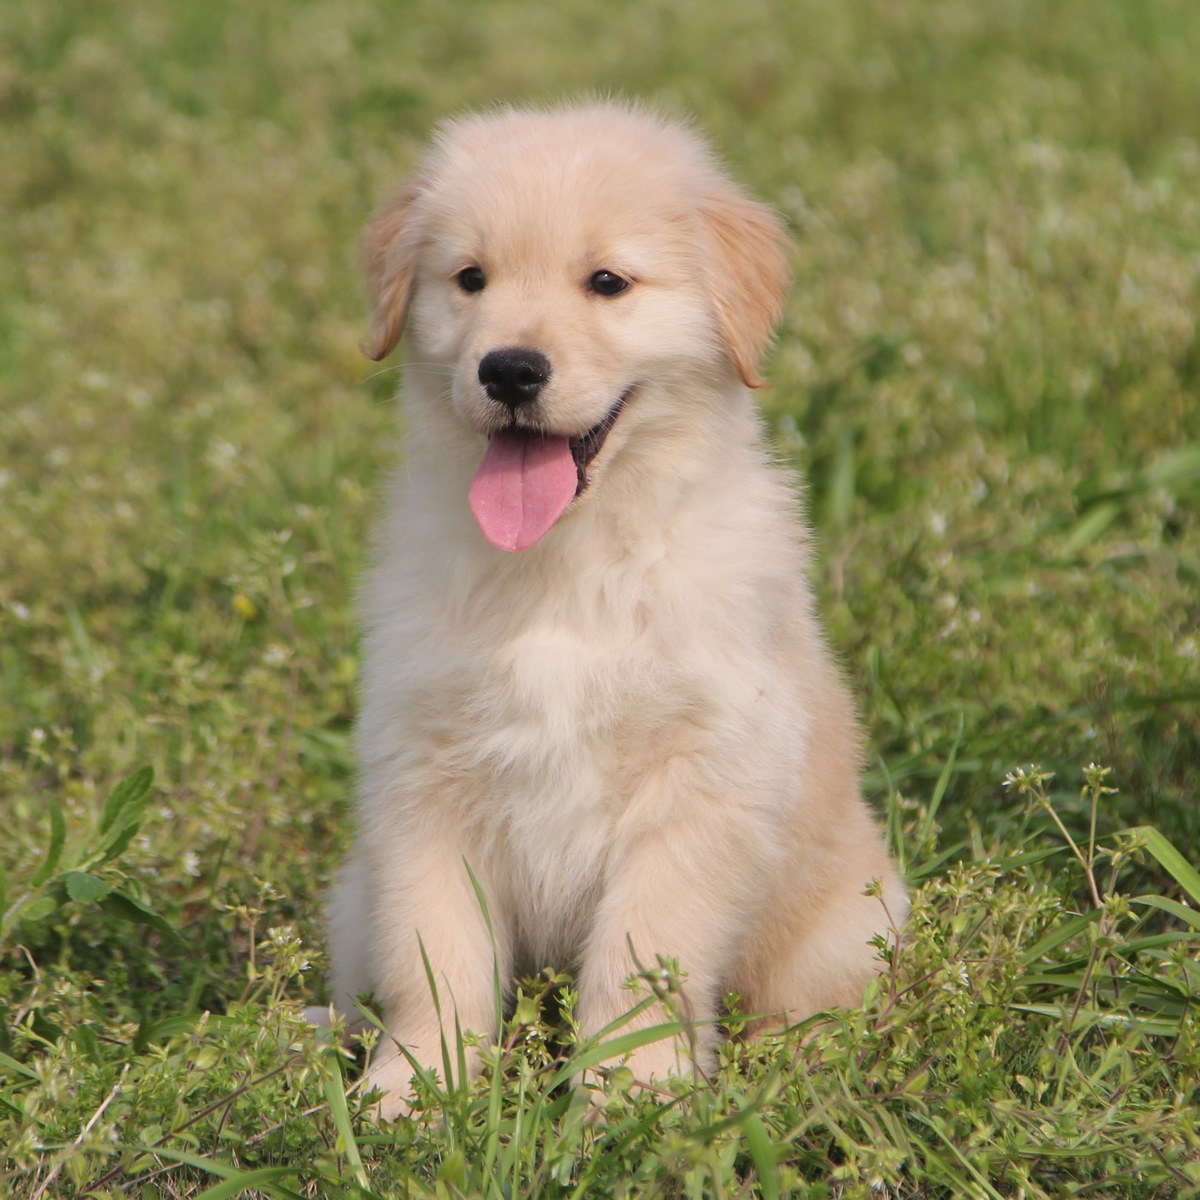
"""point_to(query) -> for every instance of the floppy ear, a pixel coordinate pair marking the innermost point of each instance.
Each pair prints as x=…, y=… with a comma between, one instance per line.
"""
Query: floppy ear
x=389, y=251
x=747, y=274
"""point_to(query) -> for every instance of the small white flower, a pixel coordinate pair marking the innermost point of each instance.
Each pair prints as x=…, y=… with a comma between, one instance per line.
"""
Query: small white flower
x=276, y=655
x=221, y=454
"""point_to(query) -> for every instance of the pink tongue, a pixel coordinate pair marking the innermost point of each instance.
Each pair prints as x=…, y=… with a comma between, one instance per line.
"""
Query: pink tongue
x=521, y=487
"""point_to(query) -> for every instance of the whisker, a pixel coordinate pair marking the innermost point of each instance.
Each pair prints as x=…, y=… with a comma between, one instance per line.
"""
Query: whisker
x=398, y=368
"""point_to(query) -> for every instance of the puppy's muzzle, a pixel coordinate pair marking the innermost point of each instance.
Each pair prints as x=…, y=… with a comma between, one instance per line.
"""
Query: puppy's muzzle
x=514, y=376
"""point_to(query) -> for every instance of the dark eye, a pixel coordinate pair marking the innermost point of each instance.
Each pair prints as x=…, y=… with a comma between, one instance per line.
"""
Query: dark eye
x=607, y=283
x=471, y=279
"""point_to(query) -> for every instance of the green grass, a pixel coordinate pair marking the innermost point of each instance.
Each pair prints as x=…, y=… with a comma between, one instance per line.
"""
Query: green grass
x=989, y=373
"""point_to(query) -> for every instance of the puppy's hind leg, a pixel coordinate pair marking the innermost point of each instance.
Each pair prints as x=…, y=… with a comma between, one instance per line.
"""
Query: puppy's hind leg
x=818, y=954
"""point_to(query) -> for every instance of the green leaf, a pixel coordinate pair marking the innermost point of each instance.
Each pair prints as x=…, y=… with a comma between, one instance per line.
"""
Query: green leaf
x=84, y=887
x=39, y=909
x=616, y=1048
x=244, y=1181
x=86, y=1041
x=1025, y=858
x=18, y=1068
x=1181, y=465
x=762, y=1154
x=118, y=839
x=235, y=1180
x=1098, y=1018
x=154, y=1032
x=124, y=906
x=1089, y=527
x=1057, y=934
x=1170, y=859
x=122, y=815
x=453, y=1169
x=129, y=797
x=58, y=835
x=335, y=1097
x=1189, y=916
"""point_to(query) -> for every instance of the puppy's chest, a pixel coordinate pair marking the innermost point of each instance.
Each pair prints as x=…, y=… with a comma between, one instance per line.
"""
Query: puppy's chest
x=554, y=730
x=541, y=761
x=547, y=710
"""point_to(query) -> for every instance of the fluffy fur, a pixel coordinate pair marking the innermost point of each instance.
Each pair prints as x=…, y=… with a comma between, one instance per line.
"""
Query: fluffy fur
x=632, y=731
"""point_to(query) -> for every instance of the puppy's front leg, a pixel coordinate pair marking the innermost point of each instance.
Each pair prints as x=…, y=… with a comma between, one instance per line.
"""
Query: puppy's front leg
x=685, y=878
x=424, y=899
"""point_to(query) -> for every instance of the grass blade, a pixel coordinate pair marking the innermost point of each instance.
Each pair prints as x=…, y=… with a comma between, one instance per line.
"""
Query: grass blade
x=616, y=1047
x=943, y=782
x=335, y=1096
x=1058, y=934
x=259, y=1177
x=58, y=835
x=1170, y=859
x=1189, y=916
x=235, y=1180
x=762, y=1154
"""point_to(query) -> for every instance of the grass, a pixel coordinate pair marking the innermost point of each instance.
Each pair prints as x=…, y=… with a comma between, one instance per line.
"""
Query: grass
x=990, y=375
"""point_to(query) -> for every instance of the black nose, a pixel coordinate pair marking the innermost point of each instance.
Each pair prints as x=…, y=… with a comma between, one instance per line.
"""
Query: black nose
x=514, y=376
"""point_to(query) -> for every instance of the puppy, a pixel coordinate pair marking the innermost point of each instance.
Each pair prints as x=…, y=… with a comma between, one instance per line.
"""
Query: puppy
x=593, y=670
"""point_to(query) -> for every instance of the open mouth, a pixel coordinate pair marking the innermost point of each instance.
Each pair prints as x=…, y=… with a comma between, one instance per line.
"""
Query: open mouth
x=527, y=479
x=585, y=446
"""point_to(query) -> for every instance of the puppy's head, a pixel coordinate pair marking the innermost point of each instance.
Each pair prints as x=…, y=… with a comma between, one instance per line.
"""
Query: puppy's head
x=557, y=268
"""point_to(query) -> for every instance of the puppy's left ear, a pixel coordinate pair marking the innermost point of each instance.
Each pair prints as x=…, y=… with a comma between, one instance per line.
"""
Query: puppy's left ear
x=747, y=274
x=389, y=252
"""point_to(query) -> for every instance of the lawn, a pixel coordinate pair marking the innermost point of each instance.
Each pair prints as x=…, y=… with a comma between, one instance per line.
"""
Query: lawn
x=989, y=374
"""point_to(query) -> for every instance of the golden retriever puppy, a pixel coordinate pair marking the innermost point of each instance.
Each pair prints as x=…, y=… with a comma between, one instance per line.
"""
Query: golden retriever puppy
x=593, y=670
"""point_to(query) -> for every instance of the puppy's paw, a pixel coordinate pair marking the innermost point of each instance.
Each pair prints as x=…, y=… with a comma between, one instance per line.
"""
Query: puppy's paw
x=646, y=1069
x=659, y=1061
x=320, y=1016
x=392, y=1074
x=325, y=1016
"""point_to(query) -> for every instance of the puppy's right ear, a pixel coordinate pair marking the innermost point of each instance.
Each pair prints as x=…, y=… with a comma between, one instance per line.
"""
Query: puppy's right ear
x=389, y=251
x=747, y=271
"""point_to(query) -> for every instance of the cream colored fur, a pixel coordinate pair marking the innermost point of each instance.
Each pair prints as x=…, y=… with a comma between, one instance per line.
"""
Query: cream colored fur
x=633, y=731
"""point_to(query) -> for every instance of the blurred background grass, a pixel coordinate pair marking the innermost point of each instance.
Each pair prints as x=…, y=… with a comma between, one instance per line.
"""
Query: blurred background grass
x=988, y=371
x=989, y=374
